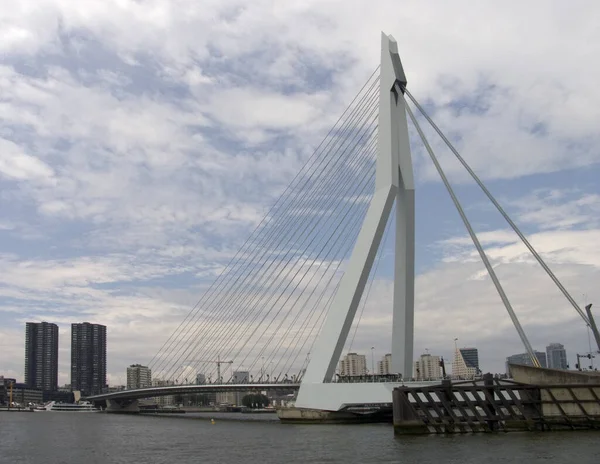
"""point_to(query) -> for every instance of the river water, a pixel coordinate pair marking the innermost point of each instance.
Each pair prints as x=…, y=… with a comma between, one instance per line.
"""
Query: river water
x=81, y=438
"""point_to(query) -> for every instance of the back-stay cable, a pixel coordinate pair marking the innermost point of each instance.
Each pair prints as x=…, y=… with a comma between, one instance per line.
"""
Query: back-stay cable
x=499, y=208
x=475, y=240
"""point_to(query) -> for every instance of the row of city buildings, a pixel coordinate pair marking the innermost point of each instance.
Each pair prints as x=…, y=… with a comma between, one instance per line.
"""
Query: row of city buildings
x=555, y=357
x=428, y=367
x=88, y=363
x=465, y=364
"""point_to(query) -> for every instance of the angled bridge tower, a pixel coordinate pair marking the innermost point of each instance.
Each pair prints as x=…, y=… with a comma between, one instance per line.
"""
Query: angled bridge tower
x=394, y=185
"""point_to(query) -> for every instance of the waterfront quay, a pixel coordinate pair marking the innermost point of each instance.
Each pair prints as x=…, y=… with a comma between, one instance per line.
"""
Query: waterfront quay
x=538, y=400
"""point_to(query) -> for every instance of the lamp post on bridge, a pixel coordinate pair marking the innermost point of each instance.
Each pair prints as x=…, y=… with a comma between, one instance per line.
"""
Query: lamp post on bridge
x=373, y=363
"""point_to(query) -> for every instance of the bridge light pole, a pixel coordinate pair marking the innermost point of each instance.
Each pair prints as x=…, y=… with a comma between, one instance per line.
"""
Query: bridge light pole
x=373, y=363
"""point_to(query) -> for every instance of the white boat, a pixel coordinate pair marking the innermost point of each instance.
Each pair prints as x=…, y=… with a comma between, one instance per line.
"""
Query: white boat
x=82, y=406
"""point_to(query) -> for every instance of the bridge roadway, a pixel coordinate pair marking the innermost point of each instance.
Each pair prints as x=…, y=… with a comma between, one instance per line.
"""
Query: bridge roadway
x=150, y=392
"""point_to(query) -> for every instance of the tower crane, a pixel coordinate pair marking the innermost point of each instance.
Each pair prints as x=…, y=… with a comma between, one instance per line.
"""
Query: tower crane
x=218, y=362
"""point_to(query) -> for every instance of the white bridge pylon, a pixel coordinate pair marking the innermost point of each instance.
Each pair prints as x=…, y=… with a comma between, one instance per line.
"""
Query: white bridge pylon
x=394, y=185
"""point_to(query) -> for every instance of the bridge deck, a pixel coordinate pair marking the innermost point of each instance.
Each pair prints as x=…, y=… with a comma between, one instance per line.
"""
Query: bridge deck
x=190, y=389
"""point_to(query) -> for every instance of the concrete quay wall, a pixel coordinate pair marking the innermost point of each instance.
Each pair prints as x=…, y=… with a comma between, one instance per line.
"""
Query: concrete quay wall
x=494, y=405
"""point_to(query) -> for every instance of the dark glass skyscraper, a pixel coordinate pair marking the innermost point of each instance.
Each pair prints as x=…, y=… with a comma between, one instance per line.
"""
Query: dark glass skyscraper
x=88, y=358
x=471, y=357
x=41, y=355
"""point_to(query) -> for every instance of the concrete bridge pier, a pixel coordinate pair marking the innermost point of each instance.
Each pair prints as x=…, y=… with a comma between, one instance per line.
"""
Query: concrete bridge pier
x=123, y=406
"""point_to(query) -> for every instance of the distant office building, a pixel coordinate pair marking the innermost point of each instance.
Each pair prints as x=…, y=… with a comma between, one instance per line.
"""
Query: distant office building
x=353, y=365
x=5, y=384
x=427, y=367
x=88, y=358
x=164, y=400
x=59, y=396
x=556, y=356
x=523, y=358
x=384, y=366
x=116, y=388
x=200, y=379
x=228, y=397
x=23, y=395
x=471, y=357
x=465, y=365
x=41, y=356
x=138, y=376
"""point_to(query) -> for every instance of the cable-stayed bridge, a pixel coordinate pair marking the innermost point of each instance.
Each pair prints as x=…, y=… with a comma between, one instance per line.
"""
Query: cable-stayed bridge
x=284, y=308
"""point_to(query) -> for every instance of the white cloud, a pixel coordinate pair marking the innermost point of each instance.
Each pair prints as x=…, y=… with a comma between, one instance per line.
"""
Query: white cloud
x=21, y=166
x=249, y=108
x=141, y=141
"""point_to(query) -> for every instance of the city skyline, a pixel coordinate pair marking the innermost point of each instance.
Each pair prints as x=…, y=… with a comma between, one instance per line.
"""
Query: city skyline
x=382, y=364
x=471, y=359
x=116, y=133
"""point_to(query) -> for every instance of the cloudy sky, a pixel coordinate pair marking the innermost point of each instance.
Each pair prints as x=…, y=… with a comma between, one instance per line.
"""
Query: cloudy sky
x=141, y=141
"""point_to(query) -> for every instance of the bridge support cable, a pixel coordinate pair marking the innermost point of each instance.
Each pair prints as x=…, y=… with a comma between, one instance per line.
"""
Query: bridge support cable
x=274, y=224
x=345, y=245
x=299, y=176
x=267, y=276
x=308, y=270
x=252, y=257
x=500, y=210
x=305, y=234
x=298, y=335
x=286, y=280
x=288, y=365
x=219, y=344
x=475, y=240
x=267, y=251
x=333, y=235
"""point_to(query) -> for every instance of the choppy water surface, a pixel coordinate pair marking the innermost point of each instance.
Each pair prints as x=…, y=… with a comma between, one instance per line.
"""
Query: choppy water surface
x=67, y=438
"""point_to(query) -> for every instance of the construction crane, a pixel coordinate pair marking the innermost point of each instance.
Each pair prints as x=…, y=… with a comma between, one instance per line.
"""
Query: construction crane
x=218, y=362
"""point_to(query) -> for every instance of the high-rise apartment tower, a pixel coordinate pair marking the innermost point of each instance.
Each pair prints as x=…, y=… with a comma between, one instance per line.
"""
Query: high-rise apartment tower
x=41, y=355
x=88, y=358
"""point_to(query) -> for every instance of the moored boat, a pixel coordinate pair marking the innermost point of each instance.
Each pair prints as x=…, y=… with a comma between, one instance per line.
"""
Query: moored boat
x=82, y=406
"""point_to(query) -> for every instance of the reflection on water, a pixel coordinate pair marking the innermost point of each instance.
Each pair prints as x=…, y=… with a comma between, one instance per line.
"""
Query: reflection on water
x=36, y=438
